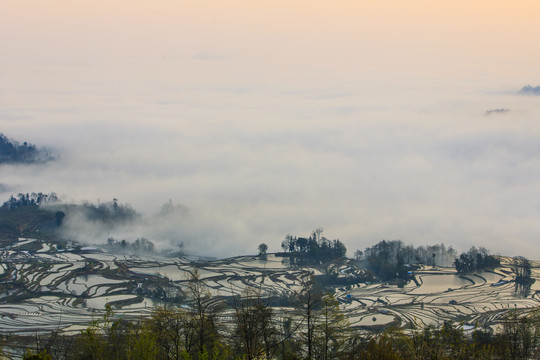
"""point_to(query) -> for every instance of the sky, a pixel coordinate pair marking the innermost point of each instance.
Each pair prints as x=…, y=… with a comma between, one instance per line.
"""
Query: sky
x=266, y=118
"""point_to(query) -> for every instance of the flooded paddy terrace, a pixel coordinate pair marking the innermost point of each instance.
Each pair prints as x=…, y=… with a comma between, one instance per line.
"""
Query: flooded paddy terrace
x=44, y=289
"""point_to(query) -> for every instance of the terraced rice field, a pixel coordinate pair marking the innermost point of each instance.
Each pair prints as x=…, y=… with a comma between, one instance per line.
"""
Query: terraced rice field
x=441, y=295
x=46, y=289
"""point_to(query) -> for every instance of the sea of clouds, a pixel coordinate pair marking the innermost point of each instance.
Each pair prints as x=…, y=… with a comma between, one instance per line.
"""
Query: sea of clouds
x=260, y=135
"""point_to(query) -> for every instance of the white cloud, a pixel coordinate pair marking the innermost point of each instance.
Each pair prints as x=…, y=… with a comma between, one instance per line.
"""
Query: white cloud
x=335, y=126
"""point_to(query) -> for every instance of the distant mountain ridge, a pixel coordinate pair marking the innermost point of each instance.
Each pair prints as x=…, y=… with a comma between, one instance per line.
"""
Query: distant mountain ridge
x=530, y=90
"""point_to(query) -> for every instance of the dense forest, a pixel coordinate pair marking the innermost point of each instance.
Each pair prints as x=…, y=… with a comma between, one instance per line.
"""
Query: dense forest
x=13, y=152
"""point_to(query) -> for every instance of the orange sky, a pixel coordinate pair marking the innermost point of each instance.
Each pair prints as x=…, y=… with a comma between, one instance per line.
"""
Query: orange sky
x=418, y=38
x=474, y=26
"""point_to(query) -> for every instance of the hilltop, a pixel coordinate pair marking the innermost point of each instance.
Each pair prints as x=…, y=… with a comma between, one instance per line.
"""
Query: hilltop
x=12, y=152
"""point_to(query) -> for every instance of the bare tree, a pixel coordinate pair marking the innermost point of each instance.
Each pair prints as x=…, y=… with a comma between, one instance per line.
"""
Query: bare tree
x=310, y=300
x=317, y=233
x=254, y=329
x=204, y=312
x=330, y=328
x=175, y=335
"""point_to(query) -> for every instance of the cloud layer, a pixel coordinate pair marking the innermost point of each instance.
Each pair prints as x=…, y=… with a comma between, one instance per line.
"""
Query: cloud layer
x=311, y=118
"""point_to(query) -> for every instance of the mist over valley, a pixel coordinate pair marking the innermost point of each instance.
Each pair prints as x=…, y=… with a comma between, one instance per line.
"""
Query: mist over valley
x=333, y=180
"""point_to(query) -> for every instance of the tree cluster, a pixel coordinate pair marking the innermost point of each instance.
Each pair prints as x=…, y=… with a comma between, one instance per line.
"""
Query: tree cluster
x=475, y=260
x=13, y=152
x=139, y=245
x=522, y=268
x=524, y=279
x=315, y=248
x=109, y=212
x=33, y=199
x=392, y=259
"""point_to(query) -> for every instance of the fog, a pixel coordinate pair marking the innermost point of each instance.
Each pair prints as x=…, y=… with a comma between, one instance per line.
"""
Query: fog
x=278, y=120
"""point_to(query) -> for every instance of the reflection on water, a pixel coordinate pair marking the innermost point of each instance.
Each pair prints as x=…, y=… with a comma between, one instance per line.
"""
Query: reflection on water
x=172, y=272
x=440, y=283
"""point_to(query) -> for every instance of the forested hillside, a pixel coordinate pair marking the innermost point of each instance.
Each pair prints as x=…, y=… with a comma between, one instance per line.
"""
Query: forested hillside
x=11, y=152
